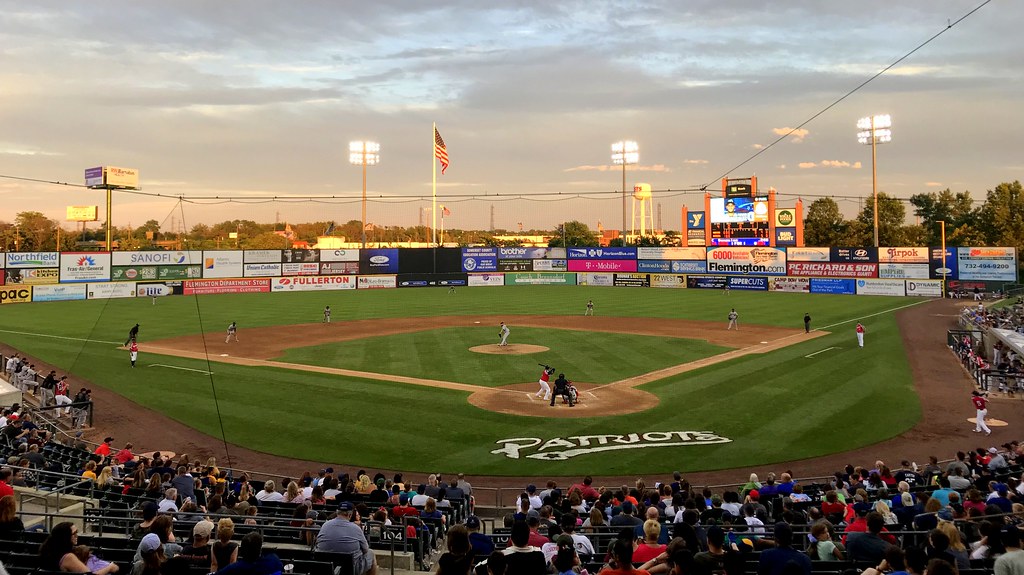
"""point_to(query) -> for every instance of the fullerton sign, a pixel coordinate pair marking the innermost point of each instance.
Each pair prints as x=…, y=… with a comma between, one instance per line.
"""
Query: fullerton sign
x=560, y=449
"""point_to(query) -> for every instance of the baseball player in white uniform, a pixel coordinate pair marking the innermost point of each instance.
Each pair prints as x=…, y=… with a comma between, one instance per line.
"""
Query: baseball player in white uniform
x=503, y=334
x=733, y=324
x=545, y=389
x=590, y=308
x=327, y=314
x=980, y=402
x=232, y=333
x=860, y=335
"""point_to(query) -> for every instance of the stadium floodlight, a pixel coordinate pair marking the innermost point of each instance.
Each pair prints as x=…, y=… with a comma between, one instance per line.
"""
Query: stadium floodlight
x=364, y=153
x=875, y=130
x=624, y=153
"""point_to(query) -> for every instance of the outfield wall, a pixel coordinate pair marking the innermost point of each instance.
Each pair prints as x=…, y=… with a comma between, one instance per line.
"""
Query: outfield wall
x=900, y=271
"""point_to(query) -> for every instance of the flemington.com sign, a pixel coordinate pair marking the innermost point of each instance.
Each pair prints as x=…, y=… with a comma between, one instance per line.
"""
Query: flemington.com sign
x=560, y=449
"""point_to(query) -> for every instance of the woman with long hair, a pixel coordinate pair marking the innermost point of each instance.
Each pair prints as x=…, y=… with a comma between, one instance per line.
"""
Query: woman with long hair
x=9, y=520
x=430, y=511
x=105, y=480
x=317, y=496
x=293, y=494
x=55, y=553
x=595, y=520
x=458, y=560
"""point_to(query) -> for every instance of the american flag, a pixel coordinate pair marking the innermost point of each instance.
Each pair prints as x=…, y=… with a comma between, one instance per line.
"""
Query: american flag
x=444, y=210
x=440, y=151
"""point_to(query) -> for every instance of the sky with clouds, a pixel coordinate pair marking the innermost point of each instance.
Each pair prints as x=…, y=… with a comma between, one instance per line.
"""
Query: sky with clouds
x=260, y=99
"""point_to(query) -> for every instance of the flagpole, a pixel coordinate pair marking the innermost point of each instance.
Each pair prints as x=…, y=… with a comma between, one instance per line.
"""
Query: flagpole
x=433, y=167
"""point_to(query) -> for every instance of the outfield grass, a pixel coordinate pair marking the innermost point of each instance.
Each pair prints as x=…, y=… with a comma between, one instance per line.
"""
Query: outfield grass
x=444, y=354
x=774, y=407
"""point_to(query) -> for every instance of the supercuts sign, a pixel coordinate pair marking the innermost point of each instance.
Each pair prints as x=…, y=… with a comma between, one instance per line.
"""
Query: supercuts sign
x=562, y=448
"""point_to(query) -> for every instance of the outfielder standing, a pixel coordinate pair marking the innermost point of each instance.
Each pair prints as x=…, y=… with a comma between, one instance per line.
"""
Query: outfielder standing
x=980, y=402
x=545, y=376
x=860, y=335
x=503, y=334
x=327, y=314
x=733, y=324
x=133, y=352
x=590, y=308
x=232, y=333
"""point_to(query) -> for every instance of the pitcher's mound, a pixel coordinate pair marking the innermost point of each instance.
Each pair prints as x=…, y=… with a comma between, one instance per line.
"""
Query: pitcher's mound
x=510, y=349
x=990, y=421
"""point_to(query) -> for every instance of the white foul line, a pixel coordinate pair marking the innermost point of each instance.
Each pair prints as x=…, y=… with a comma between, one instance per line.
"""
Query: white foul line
x=925, y=300
x=820, y=351
x=117, y=343
x=181, y=368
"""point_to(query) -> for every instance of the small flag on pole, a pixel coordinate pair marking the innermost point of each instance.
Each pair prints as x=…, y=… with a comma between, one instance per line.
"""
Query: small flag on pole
x=445, y=211
x=330, y=229
x=440, y=151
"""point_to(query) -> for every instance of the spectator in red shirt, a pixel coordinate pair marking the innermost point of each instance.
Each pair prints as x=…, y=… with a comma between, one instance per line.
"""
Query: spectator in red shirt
x=536, y=539
x=103, y=449
x=403, y=508
x=125, y=455
x=586, y=490
x=5, y=478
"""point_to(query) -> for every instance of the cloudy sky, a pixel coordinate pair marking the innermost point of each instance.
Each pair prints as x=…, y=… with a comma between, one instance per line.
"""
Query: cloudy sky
x=260, y=99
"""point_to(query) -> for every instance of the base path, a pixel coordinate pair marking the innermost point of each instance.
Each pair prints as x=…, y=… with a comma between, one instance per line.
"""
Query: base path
x=258, y=346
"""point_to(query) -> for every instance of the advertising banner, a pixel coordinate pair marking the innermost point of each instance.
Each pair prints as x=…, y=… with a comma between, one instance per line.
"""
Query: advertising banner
x=671, y=253
x=261, y=256
x=486, y=280
x=58, y=293
x=785, y=218
x=153, y=290
x=599, y=280
x=542, y=278
x=16, y=294
x=690, y=267
x=706, y=282
x=750, y=283
x=158, y=257
x=297, y=256
x=903, y=255
x=524, y=253
x=339, y=268
x=655, y=266
x=738, y=210
x=785, y=236
x=84, y=267
x=339, y=255
x=222, y=264
x=132, y=273
x=807, y=254
x=107, y=290
x=37, y=276
x=479, y=259
x=179, y=272
x=602, y=265
x=989, y=264
x=695, y=220
x=624, y=253
x=747, y=260
x=632, y=280
x=789, y=284
x=668, y=281
x=94, y=177
x=833, y=269
x=81, y=213
x=516, y=265
x=969, y=285
x=3, y=277
x=378, y=261
x=218, y=286
x=924, y=288
x=938, y=262
x=33, y=259
x=262, y=270
x=550, y=265
x=868, y=255
x=431, y=280
x=121, y=177
x=376, y=282
x=696, y=237
x=316, y=283
x=834, y=286
x=300, y=269
x=882, y=287
x=903, y=271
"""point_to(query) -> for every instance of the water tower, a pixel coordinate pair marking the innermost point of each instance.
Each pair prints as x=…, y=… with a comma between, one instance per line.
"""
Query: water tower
x=642, y=196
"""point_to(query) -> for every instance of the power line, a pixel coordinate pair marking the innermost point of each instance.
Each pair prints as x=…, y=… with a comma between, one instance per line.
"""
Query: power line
x=850, y=93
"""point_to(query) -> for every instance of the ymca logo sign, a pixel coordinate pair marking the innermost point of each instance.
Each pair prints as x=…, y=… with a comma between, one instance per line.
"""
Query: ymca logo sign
x=560, y=449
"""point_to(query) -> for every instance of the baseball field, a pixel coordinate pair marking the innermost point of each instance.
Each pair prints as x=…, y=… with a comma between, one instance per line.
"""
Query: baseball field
x=412, y=379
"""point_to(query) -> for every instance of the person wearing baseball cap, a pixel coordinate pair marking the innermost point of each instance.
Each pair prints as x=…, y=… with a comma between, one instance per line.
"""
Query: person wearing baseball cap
x=482, y=545
x=197, y=553
x=341, y=535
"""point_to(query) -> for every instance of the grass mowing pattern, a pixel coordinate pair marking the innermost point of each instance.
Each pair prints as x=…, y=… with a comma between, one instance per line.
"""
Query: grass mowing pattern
x=775, y=407
x=444, y=354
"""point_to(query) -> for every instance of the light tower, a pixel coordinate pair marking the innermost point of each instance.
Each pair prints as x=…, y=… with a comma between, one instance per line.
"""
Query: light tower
x=642, y=195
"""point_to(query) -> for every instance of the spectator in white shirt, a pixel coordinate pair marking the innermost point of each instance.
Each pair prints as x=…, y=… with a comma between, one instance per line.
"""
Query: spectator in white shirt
x=269, y=492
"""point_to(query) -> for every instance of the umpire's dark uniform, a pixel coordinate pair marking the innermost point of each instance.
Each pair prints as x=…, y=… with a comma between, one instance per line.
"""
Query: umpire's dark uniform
x=561, y=390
